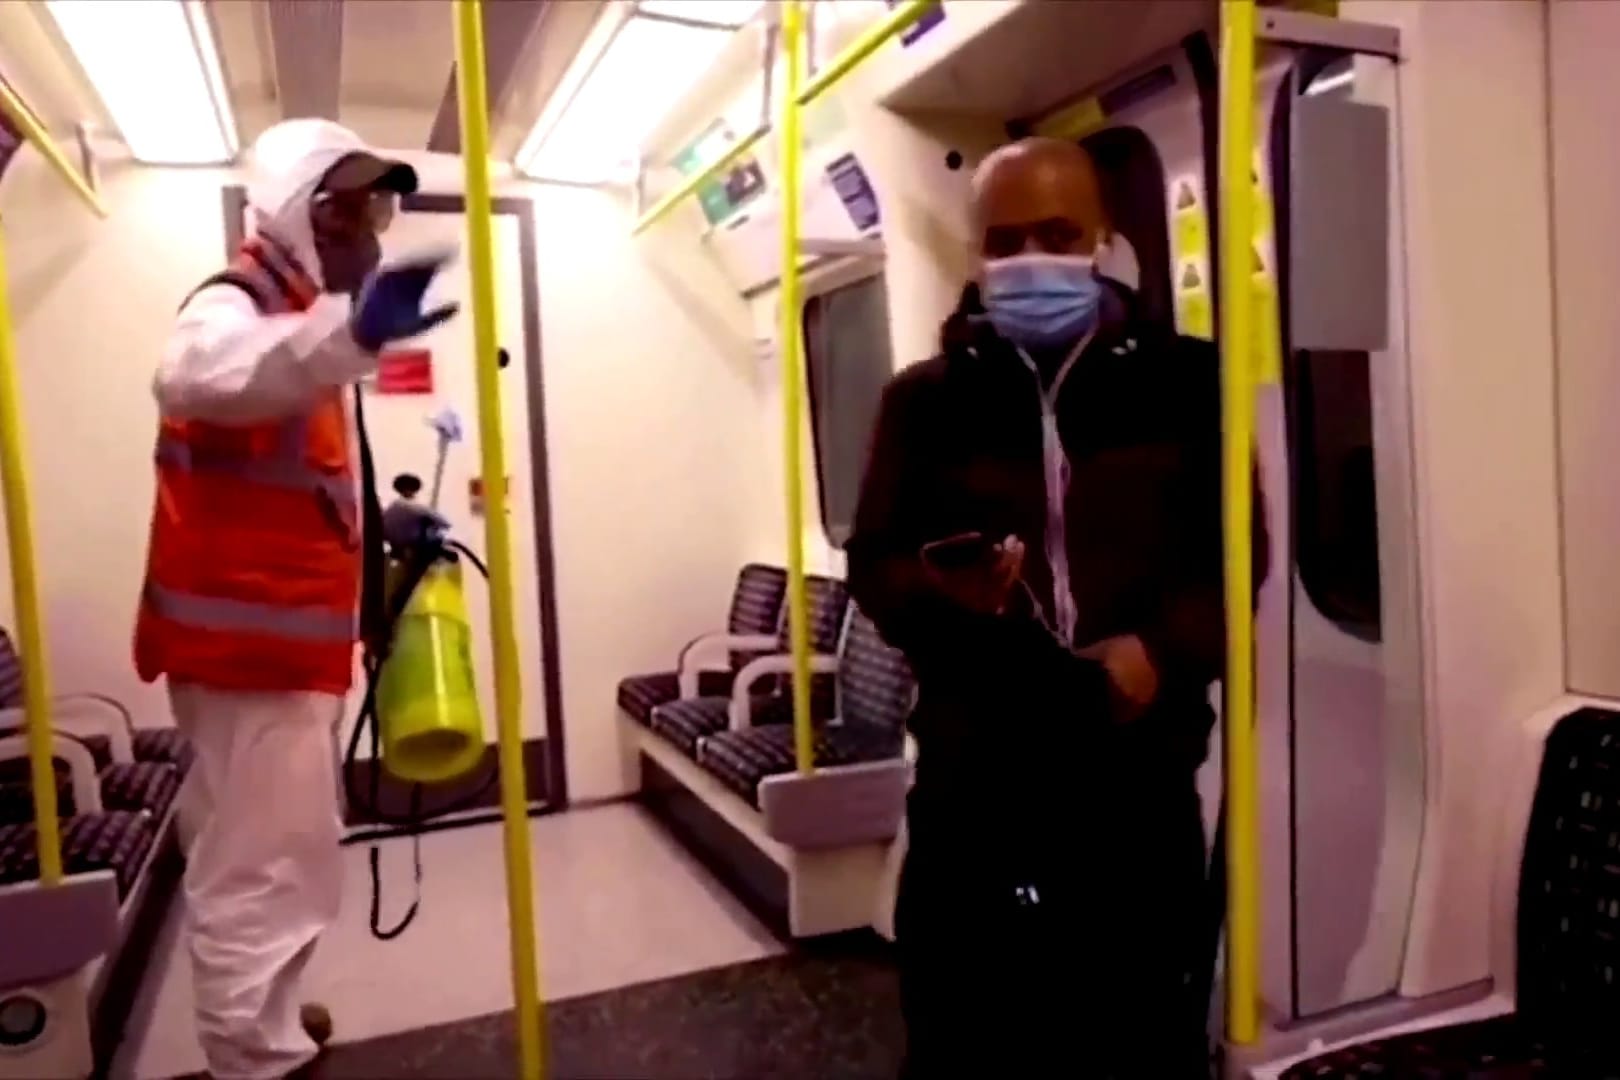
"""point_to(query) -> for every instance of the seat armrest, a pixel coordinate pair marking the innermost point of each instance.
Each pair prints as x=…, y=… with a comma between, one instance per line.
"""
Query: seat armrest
x=742, y=701
x=711, y=652
x=81, y=767
x=84, y=714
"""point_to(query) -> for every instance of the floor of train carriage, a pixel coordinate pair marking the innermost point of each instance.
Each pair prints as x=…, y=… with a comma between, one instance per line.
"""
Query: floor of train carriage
x=649, y=967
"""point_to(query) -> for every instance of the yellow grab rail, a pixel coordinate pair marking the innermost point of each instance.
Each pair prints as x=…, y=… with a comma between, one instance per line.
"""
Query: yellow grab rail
x=25, y=599
x=899, y=20
x=1237, y=456
x=471, y=88
x=660, y=209
x=792, y=379
x=24, y=120
x=863, y=46
x=19, y=522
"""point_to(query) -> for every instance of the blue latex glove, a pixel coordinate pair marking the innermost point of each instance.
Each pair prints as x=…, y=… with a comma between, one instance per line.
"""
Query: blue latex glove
x=390, y=304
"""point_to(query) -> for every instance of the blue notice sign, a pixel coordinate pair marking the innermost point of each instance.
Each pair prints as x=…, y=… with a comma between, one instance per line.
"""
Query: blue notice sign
x=930, y=19
x=849, y=180
x=10, y=140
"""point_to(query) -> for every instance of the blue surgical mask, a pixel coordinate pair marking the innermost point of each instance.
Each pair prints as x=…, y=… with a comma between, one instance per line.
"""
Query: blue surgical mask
x=1041, y=301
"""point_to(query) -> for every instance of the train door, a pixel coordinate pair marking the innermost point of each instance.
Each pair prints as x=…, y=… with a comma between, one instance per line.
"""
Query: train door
x=1150, y=149
x=1340, y=715
x=1339, y=642
x=433, y=374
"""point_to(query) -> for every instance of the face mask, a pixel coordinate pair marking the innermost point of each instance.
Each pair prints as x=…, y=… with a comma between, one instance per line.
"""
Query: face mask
x=1041, y=301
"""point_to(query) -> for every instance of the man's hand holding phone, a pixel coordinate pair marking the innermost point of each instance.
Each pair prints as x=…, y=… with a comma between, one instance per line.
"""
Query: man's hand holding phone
x=973, y=571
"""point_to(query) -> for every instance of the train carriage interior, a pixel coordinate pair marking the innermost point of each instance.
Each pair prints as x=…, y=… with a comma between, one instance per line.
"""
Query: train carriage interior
x=696, y=239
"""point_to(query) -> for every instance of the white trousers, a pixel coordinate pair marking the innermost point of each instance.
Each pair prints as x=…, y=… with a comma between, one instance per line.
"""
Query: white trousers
x=264, y=874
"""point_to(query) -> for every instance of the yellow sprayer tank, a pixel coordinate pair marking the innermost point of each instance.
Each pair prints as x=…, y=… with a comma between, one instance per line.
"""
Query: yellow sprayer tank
x=427, y=701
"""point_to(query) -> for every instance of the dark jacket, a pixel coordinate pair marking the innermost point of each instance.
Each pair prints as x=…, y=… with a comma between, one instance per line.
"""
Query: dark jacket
x=1003, y=707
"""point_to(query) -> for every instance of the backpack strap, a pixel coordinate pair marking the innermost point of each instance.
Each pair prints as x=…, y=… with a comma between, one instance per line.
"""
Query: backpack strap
x=239, y=280
x=271, y=279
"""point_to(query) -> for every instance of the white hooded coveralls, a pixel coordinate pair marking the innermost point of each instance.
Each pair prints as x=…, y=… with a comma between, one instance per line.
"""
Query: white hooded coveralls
x=264, y=873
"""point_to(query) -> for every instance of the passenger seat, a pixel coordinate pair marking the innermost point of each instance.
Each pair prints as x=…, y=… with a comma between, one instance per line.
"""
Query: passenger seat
x=756, y=612
x=1568, y=994
x=146, y=743
x=119, y=841
x=137, y=769
x=875, y=692
x=687, y=720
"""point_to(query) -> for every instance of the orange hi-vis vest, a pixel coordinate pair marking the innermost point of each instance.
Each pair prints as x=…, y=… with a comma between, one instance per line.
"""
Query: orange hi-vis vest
x=253, y=568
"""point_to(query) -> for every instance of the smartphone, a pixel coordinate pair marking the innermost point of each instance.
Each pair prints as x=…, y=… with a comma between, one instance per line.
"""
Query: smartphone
x=961, y=552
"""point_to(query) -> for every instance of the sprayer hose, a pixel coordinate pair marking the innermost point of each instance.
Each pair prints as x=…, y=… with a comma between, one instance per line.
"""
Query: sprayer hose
x=376, y=653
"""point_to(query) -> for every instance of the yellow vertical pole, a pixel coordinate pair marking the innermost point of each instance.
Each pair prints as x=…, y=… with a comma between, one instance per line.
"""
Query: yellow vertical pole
x=1237, y=431
x=25, y=599
x=470, y=86
x=793, y=378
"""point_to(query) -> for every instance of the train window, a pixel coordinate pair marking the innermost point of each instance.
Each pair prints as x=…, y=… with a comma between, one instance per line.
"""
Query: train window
x=1335, y=498
x=849, y=360
x=1329, y=401
x=1132, y=179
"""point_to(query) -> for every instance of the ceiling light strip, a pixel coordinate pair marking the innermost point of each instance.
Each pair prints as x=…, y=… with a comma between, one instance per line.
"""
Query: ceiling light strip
x=202, y=40
x=156, y=68
x=635, y=64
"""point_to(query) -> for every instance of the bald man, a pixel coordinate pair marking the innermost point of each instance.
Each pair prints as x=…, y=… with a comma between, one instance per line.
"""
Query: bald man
x=1039, y=530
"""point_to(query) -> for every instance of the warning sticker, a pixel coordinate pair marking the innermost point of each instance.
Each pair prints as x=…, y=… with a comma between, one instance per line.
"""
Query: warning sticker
x=1189, y=238
x=1262, y=213
x=1267, y=347
x=1192, y=238
x=1073, y=121
x=1194, y=316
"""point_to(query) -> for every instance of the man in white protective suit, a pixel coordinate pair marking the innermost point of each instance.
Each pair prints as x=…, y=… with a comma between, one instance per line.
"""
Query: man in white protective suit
x=253, y=578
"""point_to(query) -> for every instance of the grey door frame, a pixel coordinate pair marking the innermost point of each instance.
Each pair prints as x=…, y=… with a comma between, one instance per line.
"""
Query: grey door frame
x=555, y=755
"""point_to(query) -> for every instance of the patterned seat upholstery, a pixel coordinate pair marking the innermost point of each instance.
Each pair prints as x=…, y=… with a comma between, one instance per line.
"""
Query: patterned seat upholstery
x=875, y=684
x=827, y=603
x=163, y=744
x=146, y=744
x=1568, y=992
x=142, y=785
x=686, y=722
x=741, y=759
x=756, y=609
x=639, y=695
x=118, y=841
x=875, y=690
x=16, y=793
x=11, y=674
x=149, y=786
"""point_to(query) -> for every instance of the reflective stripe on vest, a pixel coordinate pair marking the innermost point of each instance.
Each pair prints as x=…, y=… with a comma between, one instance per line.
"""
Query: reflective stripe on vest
x=244, y=616
x=213, y=610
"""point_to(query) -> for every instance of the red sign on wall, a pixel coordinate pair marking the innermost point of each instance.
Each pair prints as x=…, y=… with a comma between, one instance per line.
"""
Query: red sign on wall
x=405, y=371
x=475, y=494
